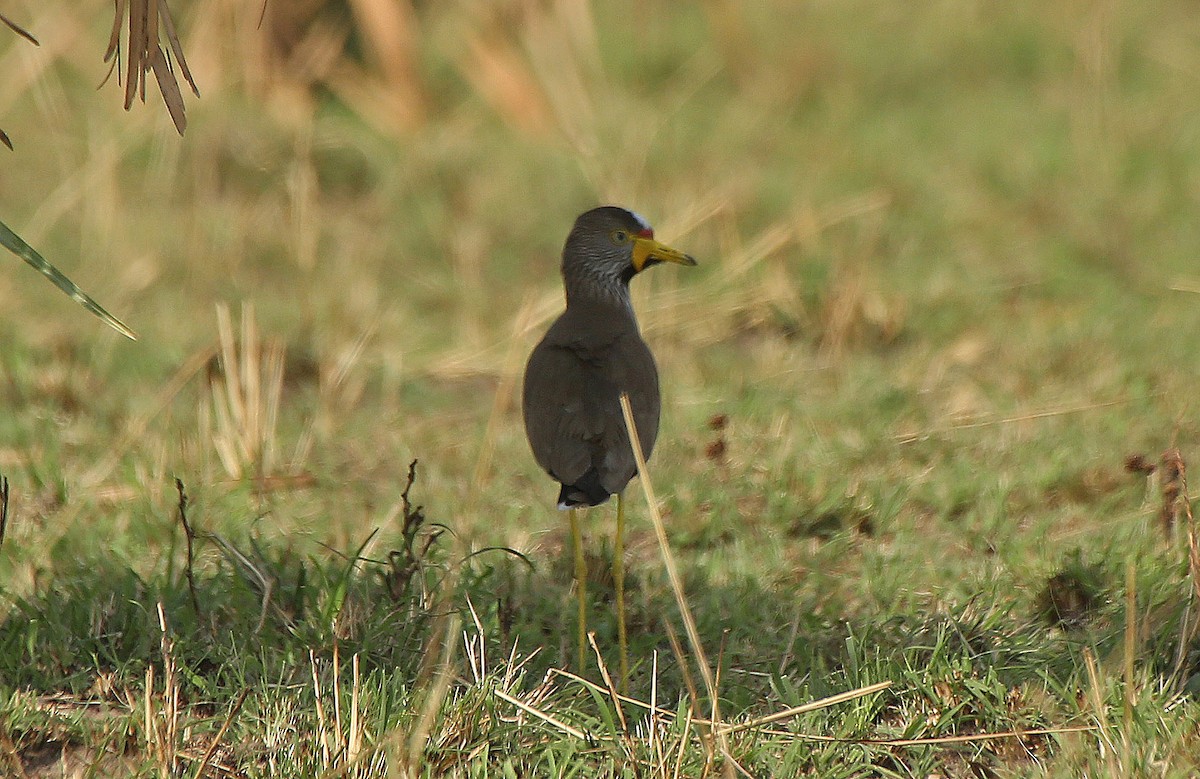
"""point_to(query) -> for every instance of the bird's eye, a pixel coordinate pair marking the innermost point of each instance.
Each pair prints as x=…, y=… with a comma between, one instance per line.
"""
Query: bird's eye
x=620, y=236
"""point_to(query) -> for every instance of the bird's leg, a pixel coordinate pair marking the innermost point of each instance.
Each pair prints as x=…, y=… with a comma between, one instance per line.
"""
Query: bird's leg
x=580, y=585
x=619, y=579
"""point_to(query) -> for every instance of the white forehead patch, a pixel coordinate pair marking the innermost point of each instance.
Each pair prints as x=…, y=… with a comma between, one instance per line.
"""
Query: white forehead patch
x=641, y=220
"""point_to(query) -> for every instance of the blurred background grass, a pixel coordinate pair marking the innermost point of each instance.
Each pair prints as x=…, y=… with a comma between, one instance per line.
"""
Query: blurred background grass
x=947, y=284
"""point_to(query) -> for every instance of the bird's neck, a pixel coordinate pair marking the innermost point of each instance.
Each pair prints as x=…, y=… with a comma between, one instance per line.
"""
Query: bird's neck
x=598, y=290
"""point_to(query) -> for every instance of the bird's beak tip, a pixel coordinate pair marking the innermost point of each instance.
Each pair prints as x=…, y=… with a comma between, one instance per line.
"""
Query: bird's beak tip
x=647, y=249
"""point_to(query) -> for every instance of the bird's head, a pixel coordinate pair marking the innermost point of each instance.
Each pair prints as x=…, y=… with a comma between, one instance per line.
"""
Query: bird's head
x=608, y=246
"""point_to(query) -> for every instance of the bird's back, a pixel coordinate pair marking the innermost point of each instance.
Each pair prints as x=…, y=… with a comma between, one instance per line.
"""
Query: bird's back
x=571, y=405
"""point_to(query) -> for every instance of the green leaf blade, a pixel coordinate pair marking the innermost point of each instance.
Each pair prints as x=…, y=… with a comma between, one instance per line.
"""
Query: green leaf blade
x=14, y=243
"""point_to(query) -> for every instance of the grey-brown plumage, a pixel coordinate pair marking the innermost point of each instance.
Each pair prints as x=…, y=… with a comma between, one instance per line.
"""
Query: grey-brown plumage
x=592, y=354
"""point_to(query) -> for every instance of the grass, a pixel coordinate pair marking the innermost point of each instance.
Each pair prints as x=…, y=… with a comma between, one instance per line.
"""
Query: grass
x=946, y=290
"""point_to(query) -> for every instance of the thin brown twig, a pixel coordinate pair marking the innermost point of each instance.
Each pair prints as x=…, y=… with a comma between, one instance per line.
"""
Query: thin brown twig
x=3, y=507
x=216, y=740
x=190, y=536
x=19, y=30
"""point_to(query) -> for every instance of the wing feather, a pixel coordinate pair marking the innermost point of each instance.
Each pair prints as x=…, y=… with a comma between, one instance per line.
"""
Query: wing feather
x=572, y=413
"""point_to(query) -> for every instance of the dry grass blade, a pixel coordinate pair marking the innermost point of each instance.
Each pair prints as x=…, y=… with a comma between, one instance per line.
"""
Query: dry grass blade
x=168, y=87
x=1193, y=547
x=1176, y=503
x=611, y=688
x=495, y=69
x=909, y=438
x=114, y=36
x=247, y=391
x=144, y=54
x=176, y=48
x=543, y=716
x=136, y=52
x=389, y=28
x=1130, y=653
x=832, y=700
x=660, y=532
x=962, y=738
x=436, y=695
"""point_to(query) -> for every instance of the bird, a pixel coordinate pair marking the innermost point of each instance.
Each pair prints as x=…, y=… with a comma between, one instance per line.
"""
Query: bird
x=591, y=355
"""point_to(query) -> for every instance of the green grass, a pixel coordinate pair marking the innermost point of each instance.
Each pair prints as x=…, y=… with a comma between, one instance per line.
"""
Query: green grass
x=947, y=286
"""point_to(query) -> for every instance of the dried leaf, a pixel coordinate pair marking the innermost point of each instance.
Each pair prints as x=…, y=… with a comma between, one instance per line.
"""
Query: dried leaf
x=136, y=65
x=114, y=37
x=169, y=88
x=176, y=47
x=145, y=54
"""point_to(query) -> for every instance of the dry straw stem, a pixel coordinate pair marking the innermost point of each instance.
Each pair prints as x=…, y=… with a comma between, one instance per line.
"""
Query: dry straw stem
x=611, y=689
x=822, y=703
x=389, y=94
x=1095, y=696
x=161, y=732
x=246, y=397
x=1186, y=285
x=1187, y=632
x=543, y=716
x=1129, y=655
x=341, y=751
x=967, y=738
x=908, y=438
x=689, y=622
x=436, y=694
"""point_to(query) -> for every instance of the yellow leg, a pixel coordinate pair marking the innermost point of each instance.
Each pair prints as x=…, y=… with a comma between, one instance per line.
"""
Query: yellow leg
x=580, y=586
x=619, y=579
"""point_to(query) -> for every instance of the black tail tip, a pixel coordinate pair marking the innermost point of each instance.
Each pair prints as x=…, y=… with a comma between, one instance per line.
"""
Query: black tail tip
x=585, y=492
